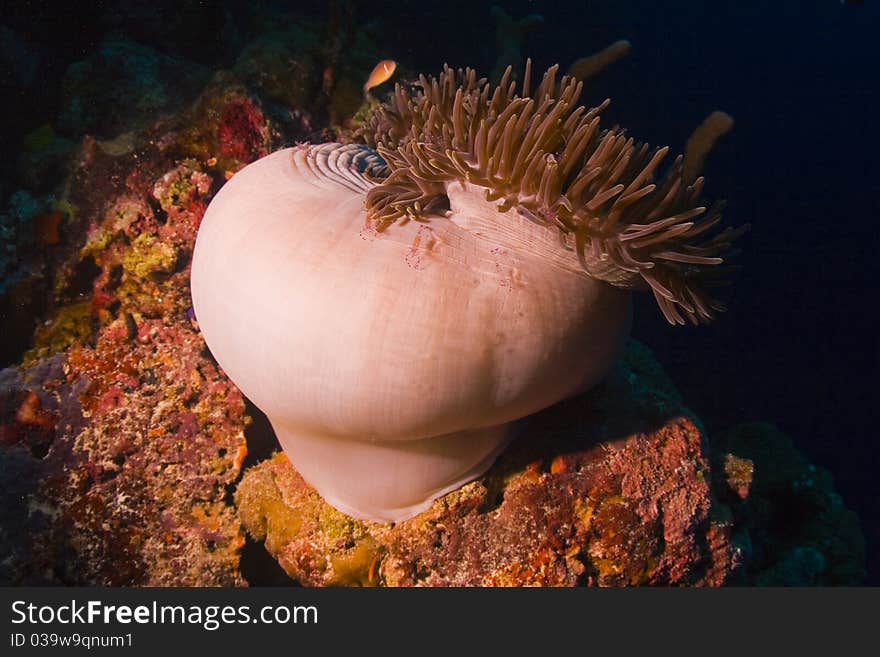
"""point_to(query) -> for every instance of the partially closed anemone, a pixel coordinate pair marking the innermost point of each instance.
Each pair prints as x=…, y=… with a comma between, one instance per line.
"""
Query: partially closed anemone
x=394, y=306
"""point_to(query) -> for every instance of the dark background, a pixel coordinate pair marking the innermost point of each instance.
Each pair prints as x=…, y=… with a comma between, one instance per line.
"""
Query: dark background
x=799, y=346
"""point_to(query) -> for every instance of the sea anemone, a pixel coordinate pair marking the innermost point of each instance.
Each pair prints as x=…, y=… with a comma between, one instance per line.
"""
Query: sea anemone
x=546, y=156
x=394, y=306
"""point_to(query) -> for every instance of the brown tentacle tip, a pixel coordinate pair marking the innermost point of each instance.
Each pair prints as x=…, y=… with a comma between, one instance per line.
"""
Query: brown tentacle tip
x=633, y=225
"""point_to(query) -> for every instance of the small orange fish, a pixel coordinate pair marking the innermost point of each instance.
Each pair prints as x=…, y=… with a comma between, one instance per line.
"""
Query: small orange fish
x=381, y=73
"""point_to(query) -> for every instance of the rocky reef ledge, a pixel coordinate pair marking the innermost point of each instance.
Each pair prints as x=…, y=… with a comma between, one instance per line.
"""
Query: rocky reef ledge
x=618, y=487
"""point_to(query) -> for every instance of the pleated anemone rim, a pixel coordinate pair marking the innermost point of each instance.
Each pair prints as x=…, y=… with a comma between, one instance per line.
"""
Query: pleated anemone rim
x=544, y=156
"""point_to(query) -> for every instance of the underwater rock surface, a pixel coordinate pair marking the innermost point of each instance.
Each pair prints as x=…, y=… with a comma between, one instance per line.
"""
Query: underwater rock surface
x=115, y=461
x=611, y=488
x=122, y=444
x=614, y=488
x=120, y=439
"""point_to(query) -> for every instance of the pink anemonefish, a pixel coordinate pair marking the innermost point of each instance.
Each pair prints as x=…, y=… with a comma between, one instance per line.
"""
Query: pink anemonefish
x=381, y=73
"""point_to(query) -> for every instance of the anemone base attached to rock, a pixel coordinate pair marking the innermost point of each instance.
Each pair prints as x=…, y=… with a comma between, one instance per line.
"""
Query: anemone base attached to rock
x=393, y=311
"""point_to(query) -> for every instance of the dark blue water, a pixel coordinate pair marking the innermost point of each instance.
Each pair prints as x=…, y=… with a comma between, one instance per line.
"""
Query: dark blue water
x=799, y=346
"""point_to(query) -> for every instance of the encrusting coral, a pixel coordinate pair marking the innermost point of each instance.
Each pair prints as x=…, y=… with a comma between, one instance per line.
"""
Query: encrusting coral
x=543, y=155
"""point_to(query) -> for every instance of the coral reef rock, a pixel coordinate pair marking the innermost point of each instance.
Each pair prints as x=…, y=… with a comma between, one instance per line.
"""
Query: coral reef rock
x=115, y=463
x=613, y=488
x=121, y=440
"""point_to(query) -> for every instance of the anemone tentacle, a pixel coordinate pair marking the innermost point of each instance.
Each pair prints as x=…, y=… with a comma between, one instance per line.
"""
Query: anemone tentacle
x=545, y=155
